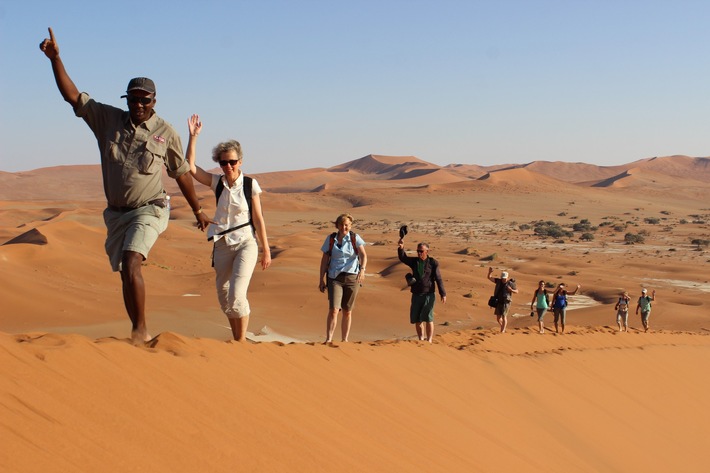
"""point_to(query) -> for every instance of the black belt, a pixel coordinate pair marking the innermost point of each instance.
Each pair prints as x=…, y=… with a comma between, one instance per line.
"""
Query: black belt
x=229, y=230
x=159, y=202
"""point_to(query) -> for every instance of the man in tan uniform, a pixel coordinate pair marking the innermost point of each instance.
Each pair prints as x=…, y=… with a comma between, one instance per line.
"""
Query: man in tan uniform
x=134, y=146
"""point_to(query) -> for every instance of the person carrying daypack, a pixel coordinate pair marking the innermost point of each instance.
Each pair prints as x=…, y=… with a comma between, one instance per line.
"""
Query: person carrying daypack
x=342, y=272
x=644, y=305
x=540, y=302
x=559, y=305
x=237, y=229
x=622, y=312
x=505, y=288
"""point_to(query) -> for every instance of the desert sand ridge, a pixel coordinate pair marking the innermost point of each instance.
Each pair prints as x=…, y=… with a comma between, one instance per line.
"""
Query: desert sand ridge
x=480, y=399
x=371, y=170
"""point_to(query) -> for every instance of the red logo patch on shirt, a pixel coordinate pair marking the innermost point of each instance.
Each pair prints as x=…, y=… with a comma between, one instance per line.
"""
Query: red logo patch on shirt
x=159, y=139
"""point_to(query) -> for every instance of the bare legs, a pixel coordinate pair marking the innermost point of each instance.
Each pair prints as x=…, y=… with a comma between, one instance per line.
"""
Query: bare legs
x=560, y=316
x=502, y=321
x=239, y=327
x=622, y=320
x=429, y=327
x=134, y=294
x=332, y=321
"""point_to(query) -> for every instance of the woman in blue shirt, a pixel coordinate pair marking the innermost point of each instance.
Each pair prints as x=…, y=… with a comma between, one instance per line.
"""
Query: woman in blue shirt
x=342, y=271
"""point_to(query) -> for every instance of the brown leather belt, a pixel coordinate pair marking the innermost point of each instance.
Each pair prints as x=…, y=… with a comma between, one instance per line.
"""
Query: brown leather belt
x=159, y=202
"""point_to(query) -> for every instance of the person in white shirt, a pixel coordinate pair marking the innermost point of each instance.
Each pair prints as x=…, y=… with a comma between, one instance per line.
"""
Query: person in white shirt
x=239, y=224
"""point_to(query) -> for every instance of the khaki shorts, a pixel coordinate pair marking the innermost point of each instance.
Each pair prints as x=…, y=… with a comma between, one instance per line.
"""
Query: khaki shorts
x=136, y=230
x=342, y=291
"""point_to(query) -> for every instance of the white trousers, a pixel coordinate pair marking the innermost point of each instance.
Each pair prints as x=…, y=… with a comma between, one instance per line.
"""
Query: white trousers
x=234, y=266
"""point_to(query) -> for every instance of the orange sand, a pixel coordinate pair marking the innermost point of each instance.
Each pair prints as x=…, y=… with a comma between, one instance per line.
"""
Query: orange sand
x=76, y=396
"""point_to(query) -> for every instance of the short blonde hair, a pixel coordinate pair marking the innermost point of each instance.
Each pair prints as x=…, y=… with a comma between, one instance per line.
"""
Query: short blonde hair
x=342, y=218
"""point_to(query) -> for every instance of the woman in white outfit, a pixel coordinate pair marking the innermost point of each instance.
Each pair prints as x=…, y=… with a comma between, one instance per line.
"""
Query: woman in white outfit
x=238, y=225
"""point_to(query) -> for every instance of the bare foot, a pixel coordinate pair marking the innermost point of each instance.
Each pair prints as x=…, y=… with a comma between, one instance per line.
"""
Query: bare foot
x=140, y=337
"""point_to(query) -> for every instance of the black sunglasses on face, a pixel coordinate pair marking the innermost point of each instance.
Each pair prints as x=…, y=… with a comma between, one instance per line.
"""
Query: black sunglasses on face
x=231, y=162
x=141, y=100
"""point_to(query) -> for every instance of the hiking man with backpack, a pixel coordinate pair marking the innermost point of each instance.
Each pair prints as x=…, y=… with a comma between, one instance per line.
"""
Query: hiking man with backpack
x=238, y=224
x=505, y=288
x=424, y=276
x=342, y=272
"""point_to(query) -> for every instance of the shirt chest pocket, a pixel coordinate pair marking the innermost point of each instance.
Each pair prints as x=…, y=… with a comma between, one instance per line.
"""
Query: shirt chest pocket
x=150, y=159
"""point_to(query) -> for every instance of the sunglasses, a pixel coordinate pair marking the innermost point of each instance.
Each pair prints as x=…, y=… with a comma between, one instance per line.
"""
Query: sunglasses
x=422, y=251
x=140, y=100
x=231, y=162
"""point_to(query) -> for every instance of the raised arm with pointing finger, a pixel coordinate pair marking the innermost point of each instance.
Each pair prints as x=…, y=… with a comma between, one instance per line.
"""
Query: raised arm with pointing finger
x=66, y=86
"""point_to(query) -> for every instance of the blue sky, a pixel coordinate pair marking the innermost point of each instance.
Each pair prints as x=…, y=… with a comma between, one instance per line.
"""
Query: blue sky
x=315, y=83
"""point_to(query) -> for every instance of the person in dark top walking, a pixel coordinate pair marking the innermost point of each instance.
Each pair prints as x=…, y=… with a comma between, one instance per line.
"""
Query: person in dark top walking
x=423, y=280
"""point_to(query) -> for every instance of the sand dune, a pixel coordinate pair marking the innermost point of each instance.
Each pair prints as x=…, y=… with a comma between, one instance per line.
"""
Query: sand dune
x=643, y=176
x=588, y=401
x=76, y=396
x=679, y=166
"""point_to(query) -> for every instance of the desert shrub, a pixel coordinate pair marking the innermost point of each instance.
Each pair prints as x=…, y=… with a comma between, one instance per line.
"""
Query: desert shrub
x=632, y=239
x=700, y=243
x=587, y=237
x=644, y=232
x=665, y=212
x=550, y=229
x=582, y=226
x=562, y=214
x=524, y=226
x=683, y=221
x=652, y=220
x=619, y=228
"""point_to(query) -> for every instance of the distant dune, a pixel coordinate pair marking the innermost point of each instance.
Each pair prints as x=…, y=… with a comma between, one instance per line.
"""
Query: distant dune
x=382, y=171
x=649, y=176
x=677, y=166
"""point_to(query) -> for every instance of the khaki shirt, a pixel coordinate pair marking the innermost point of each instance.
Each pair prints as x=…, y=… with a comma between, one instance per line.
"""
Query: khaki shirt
x=132, y=158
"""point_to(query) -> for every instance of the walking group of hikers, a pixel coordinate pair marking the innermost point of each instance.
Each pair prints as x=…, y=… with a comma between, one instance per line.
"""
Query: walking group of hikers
x=136, y=144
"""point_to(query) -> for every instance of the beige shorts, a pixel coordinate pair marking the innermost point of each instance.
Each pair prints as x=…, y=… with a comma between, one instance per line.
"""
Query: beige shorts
x=136, y=230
